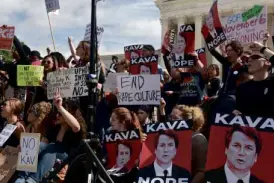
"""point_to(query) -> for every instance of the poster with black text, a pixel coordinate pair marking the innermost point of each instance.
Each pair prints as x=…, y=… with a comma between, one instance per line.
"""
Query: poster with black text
x=202, y=56
x=144, y=65
x=166, y=153
x=212, y=31
x=123, y=150
x=168, y=41
x=133, y=51
x=240, y=149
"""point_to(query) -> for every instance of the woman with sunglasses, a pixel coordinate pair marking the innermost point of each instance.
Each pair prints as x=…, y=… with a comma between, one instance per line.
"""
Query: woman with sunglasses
x=256, y=97
x=65, y=136
x=11, y=111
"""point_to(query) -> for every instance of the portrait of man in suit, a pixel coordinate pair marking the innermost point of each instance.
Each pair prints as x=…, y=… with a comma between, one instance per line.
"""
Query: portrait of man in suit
x=179, y=47
x=242, y=148
x=166, y=145
x=214, y=30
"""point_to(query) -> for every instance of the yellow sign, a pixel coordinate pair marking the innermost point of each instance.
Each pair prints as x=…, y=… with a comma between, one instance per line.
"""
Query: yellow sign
x=29, y=75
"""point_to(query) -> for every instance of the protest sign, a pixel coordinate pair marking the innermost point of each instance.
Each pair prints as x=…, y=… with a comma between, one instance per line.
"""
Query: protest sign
x=71, y=82
x=144, y=65
x=8, y=160
x=6, y=133
x=99, y=32
x=28, y=156
x=133, y=51
x=110, y=84
x=242, y=145
x=248, y=31
x=167, y=143
x=202, y=56
x=52, y=5
x=6, y=37
x=123, y=150
x=139, y=90
x=168, y=41
x=29, y=75
x=212, y=31
x=253, y=12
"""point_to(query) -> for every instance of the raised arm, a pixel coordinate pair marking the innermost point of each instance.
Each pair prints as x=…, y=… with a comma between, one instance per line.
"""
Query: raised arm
x=72, y=48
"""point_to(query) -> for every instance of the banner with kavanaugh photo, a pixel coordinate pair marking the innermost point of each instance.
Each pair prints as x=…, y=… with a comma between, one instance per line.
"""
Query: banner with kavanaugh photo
x=166, y=153
x=240, y=149
x=183, y=46
x=133, y=51
x=123, y=150
x=168, y=41
x=212, y=31
x=144, y=65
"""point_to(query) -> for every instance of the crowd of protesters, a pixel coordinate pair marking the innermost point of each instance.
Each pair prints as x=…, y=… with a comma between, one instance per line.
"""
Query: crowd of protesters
x=246, y=88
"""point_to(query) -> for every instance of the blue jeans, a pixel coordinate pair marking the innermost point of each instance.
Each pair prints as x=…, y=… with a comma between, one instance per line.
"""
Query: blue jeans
x=48, y=155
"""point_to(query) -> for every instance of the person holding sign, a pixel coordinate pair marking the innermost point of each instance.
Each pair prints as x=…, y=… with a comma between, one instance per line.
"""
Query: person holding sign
x=66, y=135
x=11, y=110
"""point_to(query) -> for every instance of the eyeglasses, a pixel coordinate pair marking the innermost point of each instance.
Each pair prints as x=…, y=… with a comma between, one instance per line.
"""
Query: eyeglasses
x=46, y=62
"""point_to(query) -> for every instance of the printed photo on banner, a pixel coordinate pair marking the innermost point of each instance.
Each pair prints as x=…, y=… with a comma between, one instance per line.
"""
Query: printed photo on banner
x=29, y=75
x=133, y=51
x=202, y=56
x=246, y=27
x=212, y=31
x=184, y=44
x=29, y=149
x=168, y=42
x=71, y=82
x=144, y=65
x=138, y=89
x=6, y=37
x=123, y=150
x=8, y=161
x=166, y=153
x=240, y=149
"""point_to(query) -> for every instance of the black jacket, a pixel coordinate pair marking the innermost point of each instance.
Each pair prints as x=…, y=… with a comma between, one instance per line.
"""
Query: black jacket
x=218, y=176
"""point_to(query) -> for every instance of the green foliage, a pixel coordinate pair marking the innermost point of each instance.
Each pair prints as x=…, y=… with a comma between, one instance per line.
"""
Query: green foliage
x=6, y=55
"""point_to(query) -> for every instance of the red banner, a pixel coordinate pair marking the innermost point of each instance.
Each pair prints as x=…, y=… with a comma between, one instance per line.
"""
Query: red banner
x=240, y=148
x=168, y=42
x=212, y=31
x=202, y=56
x=6, y=37
x=123, y=150
x=133, y=51
x=144, y=65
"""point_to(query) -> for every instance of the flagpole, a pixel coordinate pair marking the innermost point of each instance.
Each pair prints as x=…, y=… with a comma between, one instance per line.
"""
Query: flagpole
x=51, y=31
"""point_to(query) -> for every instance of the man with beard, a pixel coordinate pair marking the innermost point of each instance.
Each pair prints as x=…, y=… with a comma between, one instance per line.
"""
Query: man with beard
x=242, y=148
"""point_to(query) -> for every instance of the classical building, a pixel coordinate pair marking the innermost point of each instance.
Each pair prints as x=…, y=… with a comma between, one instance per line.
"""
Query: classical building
x=181, y=12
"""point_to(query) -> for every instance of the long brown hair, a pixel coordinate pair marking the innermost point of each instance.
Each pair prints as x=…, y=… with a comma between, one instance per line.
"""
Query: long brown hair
x=127, y=118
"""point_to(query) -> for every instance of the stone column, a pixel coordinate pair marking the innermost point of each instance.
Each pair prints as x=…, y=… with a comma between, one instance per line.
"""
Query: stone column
x=198, y=36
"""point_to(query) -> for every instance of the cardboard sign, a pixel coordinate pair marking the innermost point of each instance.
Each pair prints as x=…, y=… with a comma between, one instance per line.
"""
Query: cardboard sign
x=253, y=29
x=28, y=157
x=139, y=90
x=241, y=145
x=6, y=133
x=8, y=160
x=29, y=75
x=99, y=32
x=71, y=82
x=110, y=84
x=144, y=65
x=212, y=31
x=52, y=5
x=123, y=150
x=133, y=51
x=168, y=142
x=6, y=38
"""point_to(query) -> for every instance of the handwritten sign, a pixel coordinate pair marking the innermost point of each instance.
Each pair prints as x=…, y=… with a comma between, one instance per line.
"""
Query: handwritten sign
x=6, y=37
x=52, y=5
x=29, y=75
x=99, y=32
x=6, y=133
x=28, y=157
x=248, y=31
x=8, y=160
x=139, y=90
x=110, y=84
x=71, y=82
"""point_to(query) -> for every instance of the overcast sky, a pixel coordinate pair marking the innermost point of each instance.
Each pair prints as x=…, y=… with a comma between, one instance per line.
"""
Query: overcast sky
x=125, y=22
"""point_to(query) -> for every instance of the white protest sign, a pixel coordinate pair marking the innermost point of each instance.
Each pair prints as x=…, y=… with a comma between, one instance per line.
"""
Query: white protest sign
x=110, y=84
x=6, y=133
x=245, y=31
x=99, y=32
x=71, y=82
x=52, y=5
x=28, y=157
x=139, y=90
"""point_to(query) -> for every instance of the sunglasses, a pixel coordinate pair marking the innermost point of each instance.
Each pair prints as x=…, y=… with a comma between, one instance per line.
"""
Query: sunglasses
x=255, y=57
x=46, y=62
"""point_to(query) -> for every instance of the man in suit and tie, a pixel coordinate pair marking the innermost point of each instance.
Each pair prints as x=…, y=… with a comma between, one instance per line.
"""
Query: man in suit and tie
x=242, y=148
x=166, y=145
